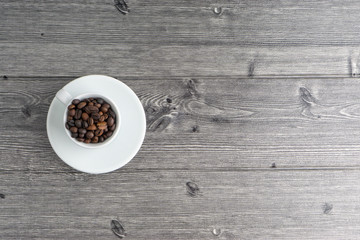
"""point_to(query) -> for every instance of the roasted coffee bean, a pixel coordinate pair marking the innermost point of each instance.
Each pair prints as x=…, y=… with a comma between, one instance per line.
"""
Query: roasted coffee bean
x=82, y=130
x=106, y=116
x=100, y=100
x=81, y=135
x=80, y=139
x=78, y=114
x=85, y=116
x=71, y=106
x=98, y=105
x=81, y=105
x=87, y=110
x=67, y=125
x=87, y=100
x=102, y=125
x=71, y=112
x=71, y=123
x=93, y=109
x=91, y=99
x=87, y=140
x=112, y=113
x=75, y=101
x=95, y=139
x=69, y=118
x=85, y=124
x=104, y=109
x=89, y=134
x=112, y=128
x=101, y=113
x=78, y=123
x=95, y=116
x=106, y=130
x=108, y=134
x=90, y=104
x=73, y=129
x=74, y=135
x=110, y=121
x=91, y=121
x=101, y=139
x=106, y=105
x=102, y=118
x=92, y=127
x=104, y=136
x=99, y=132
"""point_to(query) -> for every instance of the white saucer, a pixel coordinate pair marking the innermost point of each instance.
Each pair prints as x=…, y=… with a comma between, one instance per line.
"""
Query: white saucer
x=126, y=143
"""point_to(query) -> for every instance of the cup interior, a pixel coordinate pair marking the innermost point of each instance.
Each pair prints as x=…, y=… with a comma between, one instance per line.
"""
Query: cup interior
x=113, y=107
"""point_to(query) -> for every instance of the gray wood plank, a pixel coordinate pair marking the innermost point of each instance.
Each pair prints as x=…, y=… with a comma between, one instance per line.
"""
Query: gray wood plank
x=204, y=123
x=249, y=37
x=157, y=205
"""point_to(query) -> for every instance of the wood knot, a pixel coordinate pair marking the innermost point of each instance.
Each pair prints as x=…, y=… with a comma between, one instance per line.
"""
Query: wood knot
x=192, y=189
x=26, y=111
x=327, y=207
x=306, y=96
x=2, y=196
x=5, y=77
x=122, y=6
x=273, y=165
x=195, y=129
x=217, y=10
x=117, y=228
x=251, y=69
x=169, y=100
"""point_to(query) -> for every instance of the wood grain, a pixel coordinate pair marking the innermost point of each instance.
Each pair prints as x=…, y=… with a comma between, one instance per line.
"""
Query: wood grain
x=205, y=123
x=156, y=205
x=178, y=38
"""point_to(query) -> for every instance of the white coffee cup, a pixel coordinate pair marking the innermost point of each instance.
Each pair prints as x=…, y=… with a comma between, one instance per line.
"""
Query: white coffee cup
x=65, y=97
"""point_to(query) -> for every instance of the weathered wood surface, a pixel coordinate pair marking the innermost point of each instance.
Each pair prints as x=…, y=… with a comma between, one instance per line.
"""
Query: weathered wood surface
x=269, y=204
x=205, y=123
x=67, y=38
x=252, y=111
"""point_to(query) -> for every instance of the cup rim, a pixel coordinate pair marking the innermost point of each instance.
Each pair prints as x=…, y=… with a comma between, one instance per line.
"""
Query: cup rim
x=114, y=108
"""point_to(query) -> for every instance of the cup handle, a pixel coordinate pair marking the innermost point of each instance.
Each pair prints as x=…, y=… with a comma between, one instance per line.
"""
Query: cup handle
x=63, y=96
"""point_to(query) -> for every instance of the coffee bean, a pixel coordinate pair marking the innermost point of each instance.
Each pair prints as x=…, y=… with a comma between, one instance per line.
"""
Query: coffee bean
x=90, y=104
x=67, y=126
x=100, y=100
x=101, y=139
x=112, y=128
x=71, y=112
x=104, y=136
x=102, y=118
x=108, y=134
x=95, y=116
x=92, y=127
x=93, y=109
x=106, y=130
x=69, y=118
x=73, y=129
x=91, y=99
x=87, y=140
x=110, y=121
x=99, y=132
x=81, y=105
x=81, y=135
x=78, y=123
x=80, y=139
x=91, y=121
x=106, y=105
x=78, y=114
x=104, y=109
x=85, y=124
x=112, y=113
x=82, y=130
x=74, y=135
x=71, y=123
x=101, y=113
x=71, y=106
x=106, y=116
x=87, y=110
x=95, y=139
x=89, y=134
x=85, y=116
x=87, y=100
x=98, y=105
x=102, y=125
x=75, y=101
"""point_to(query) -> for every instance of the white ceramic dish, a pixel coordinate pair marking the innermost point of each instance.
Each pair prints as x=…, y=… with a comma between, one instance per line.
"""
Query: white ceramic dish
x=123, y=146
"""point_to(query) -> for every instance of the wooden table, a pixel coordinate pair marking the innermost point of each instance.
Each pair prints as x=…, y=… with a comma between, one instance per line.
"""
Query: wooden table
x=253, y=119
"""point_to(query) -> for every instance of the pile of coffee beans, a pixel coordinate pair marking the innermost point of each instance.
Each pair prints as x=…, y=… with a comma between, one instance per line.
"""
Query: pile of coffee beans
x=90, y=120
